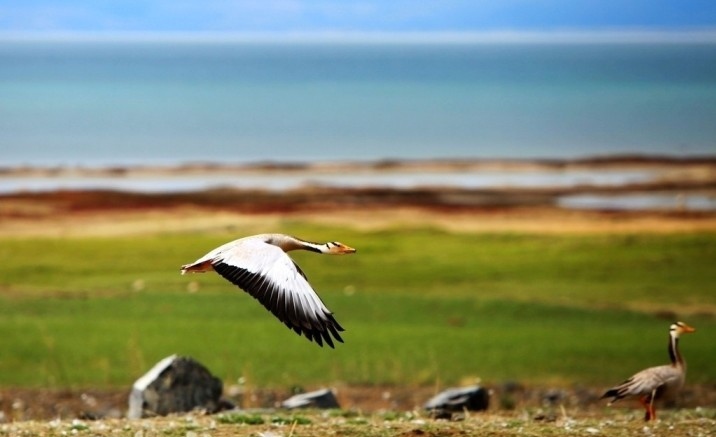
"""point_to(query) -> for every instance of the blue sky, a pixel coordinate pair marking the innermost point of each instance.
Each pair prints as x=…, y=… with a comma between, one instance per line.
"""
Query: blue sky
x=277, y=16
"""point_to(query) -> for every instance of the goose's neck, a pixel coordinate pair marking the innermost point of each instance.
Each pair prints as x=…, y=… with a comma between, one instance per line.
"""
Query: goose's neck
x=674, y=354
x=288, y=243
x=314, y=247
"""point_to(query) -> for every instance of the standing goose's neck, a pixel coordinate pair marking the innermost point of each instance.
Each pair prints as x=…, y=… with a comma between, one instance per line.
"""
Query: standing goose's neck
x=674, y=354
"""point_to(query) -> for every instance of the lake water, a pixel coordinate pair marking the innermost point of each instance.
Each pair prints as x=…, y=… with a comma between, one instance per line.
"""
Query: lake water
x=101, y=103
x=635, y=202
x=112, y=103
x=475, y=180
x=278, y=181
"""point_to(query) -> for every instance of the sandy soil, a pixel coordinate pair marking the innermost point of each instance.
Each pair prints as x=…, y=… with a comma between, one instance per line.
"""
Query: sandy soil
x=198, y=220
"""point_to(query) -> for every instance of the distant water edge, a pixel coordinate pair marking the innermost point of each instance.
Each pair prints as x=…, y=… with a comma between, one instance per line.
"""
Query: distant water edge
x=617, y=182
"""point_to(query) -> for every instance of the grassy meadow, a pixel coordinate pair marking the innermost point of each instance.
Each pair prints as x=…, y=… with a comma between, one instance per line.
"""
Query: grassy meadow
x=420, y=307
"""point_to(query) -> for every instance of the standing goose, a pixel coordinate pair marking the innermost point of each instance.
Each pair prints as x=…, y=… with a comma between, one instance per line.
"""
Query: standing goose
x=260, y=266
x=656, y=382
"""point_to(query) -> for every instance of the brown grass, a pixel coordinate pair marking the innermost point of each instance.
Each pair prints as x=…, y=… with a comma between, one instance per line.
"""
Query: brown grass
x=90, y=213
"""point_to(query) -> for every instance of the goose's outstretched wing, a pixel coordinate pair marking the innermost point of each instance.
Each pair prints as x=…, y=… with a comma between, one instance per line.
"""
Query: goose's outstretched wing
x=269, y=275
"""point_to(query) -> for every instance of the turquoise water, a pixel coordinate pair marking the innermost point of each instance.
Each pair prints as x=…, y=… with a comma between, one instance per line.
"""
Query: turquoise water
x=113, y=103
x=280, y=181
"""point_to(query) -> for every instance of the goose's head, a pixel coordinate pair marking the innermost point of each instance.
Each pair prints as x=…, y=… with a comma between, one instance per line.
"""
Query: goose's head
x=336, y=248
x=679, y=328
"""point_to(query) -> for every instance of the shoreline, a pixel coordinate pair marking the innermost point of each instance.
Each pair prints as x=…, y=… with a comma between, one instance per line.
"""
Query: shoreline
x=675, y=185
x=603, y=183
x=603, y=163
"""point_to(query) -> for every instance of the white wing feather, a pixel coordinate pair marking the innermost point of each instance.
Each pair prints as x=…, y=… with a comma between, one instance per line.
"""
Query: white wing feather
x=267, y=273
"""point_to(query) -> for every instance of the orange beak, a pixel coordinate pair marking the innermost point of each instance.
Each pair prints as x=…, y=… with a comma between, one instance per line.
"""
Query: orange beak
x=689, y=329
x=686, y=329
x=346, y=250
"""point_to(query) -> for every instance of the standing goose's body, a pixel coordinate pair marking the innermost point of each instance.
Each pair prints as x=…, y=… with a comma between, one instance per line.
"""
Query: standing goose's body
x=260, y=266
x=656, y=382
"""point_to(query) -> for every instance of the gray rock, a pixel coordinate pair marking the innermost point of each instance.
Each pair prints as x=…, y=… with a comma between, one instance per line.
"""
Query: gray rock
x=452, y=400
x=174, y=385
x=316, y=399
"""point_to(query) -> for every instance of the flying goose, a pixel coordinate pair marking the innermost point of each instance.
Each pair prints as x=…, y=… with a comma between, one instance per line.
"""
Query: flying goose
x=656, y=382
x=260, y=266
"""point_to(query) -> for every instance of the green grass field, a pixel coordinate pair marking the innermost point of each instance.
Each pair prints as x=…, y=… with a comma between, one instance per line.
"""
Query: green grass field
x=419, y=307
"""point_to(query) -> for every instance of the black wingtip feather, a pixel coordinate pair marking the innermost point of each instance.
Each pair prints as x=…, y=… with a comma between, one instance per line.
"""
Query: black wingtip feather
x=327, y=338
x=333, y=323
x=335, y=334
x=325, y=329
x=610, y=394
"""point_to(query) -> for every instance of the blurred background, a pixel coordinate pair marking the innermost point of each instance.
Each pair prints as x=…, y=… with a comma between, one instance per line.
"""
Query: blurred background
x=561, y=155
x=127, y=84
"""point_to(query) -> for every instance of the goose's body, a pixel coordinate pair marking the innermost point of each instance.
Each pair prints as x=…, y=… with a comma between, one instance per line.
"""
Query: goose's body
x=260, y=266
x=657, y=382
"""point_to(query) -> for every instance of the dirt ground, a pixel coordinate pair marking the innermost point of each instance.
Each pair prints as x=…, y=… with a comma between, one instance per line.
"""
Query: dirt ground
x=22, y=404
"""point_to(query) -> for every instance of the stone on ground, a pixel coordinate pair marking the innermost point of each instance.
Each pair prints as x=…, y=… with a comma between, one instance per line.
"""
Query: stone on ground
x=316, y=399
x=175, y=385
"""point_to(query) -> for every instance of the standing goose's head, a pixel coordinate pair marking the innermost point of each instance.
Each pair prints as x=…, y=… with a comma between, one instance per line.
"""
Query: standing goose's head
x=679, y=328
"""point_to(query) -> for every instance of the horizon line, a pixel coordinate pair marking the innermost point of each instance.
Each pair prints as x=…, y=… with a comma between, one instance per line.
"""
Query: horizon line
x=610, y=35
